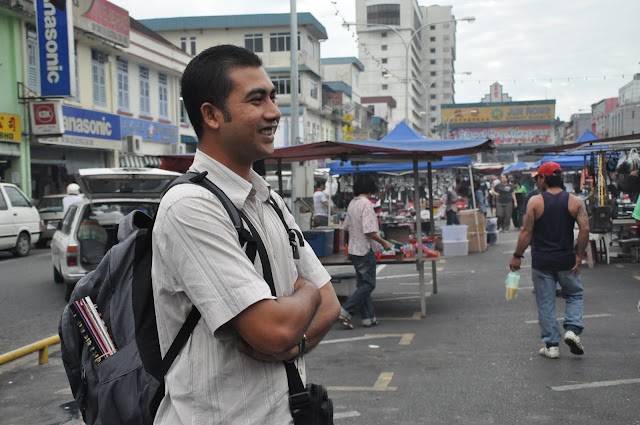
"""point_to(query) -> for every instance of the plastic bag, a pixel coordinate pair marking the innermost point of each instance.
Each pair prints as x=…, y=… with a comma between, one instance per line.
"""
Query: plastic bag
x=512, y=283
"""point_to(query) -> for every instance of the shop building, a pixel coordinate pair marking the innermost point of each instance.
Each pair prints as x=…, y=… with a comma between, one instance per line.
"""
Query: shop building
x=122, y=107
x=515, y=127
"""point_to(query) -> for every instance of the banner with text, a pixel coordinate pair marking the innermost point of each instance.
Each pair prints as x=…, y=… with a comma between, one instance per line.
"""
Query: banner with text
x=84, y=128
x=496, y=114
x=10, y=130
x=509, y=136
x=56, y=48
x=149, y=131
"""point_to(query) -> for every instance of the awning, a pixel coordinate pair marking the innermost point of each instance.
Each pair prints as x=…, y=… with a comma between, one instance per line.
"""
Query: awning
x=139, y=161
x=9, y=149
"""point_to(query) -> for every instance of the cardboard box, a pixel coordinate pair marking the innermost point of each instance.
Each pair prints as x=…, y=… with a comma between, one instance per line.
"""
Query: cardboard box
x=469, y=217
x=473, y=241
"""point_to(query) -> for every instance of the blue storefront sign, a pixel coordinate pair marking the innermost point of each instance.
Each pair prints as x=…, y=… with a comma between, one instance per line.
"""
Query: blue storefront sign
x=149, y=131
x=56, y=48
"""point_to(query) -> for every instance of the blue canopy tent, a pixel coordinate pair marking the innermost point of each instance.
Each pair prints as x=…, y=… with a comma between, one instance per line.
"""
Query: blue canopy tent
x=565, y=161
x=587, y=136
x=519, y=166
x=340, y=168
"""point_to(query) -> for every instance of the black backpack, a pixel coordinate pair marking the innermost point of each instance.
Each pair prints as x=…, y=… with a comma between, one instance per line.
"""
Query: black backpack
x=127, y=387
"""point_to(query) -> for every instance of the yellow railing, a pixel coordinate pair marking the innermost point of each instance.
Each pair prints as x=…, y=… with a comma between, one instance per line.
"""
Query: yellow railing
x=42, y=347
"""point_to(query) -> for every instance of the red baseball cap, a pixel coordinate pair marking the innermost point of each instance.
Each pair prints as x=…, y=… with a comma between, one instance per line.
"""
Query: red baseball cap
x=548, y=169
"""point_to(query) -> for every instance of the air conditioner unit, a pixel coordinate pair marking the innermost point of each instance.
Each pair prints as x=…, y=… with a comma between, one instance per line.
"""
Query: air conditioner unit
x=178, y=148
x=132, y=144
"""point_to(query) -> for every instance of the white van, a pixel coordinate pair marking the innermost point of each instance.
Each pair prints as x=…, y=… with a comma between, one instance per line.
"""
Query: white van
x=20, y=224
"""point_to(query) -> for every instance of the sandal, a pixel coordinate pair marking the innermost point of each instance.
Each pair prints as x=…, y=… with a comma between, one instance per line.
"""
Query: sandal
x=346, y=323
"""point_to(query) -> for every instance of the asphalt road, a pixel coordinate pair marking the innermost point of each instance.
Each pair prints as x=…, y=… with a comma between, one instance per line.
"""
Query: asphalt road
x=30, y=302
x=473, y=359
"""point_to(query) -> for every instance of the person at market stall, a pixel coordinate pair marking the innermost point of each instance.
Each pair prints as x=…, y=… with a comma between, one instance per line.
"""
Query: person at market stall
x=449, y=200
x=505, y=202
x=320, y=205
x=548, y=228
x=481, y=198
x=361, y=223
x=521, y=192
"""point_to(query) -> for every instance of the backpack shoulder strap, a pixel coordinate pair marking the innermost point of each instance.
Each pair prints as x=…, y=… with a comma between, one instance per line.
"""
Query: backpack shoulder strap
x=292, y=233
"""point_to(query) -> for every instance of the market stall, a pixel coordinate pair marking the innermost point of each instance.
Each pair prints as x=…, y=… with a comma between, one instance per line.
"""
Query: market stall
x=400, y=145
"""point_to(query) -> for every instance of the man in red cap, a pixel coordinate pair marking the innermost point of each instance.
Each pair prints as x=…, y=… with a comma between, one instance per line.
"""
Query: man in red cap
x=548, y=227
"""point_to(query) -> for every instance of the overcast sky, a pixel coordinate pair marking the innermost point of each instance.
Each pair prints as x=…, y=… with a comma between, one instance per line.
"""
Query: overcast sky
x=575, y=51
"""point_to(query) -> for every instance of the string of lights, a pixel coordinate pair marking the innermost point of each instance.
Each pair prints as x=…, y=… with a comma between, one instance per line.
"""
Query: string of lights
x=547, y=80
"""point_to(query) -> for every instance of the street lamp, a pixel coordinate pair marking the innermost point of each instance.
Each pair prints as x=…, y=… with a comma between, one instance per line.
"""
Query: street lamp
x=407, y=46
x=426, y=87
x=458, y=114
x=428, y=99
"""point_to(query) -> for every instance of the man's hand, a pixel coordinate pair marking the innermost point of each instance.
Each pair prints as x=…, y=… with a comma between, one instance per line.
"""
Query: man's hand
x=245, y=348
x=576, y=269
x=514, y=264
x=387, y=245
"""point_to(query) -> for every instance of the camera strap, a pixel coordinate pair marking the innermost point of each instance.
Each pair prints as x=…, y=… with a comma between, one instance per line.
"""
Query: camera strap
x=298, y=396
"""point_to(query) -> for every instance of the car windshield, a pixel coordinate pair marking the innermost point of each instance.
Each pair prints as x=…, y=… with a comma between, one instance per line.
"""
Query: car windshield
x=50, y=204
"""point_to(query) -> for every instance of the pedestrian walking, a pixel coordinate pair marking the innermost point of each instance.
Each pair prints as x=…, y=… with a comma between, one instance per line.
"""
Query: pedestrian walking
x=320, y=205
x=232, y=371
x=548, y=228
x=505, y=202
x=73, y=196
x=521, y=193
x=364, y=240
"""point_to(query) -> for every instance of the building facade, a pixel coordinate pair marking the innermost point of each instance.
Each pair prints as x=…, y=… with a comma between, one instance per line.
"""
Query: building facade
x=123, y=108
x=269, y=36
x=407, y=48
x=515, y=127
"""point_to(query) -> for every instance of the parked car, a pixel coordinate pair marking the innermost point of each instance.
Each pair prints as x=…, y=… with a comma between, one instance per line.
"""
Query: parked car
x=90, y=227
x=51, y=213
x=20, y=224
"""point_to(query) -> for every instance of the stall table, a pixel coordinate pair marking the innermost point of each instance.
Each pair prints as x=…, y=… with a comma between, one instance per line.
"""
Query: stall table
x=341, y=260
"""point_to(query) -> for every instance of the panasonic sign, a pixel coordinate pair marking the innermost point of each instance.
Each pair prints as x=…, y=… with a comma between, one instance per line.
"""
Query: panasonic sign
x=55, y=43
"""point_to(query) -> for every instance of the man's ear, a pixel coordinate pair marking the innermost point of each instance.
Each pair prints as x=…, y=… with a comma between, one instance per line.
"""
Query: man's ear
x=211, y=116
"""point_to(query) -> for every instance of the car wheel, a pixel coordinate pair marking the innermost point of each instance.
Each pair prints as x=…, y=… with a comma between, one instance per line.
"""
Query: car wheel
x=42, y=243
x=68, y=290
x=23, y=246
x=57, y=277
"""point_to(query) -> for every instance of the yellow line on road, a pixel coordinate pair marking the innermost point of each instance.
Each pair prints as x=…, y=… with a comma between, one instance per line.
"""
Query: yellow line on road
x=382, y=384
x=636, y=277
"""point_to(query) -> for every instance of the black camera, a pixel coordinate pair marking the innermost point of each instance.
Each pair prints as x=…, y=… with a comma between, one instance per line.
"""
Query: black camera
x=312, y=406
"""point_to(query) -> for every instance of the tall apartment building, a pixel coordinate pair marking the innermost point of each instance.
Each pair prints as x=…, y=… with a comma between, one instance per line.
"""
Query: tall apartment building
x=269, y=36
x=408, y=48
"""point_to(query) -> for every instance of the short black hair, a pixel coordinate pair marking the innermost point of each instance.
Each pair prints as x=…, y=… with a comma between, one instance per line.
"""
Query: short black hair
x=554, y=180
x=320, y=182
x=364, y=184
x=206, y=79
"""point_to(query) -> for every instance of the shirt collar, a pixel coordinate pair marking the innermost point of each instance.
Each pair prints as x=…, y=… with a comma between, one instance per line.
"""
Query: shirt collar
x=234, y=186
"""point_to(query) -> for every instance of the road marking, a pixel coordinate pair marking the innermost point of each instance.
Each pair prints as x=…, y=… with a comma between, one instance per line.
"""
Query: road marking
x=415, y=283
x=380, y=268
x=439, y=269
x=636, y=277
x=443, y=261
x=405, y=339
x=64, y=391
x=382, y=384
x=345, y=415
x=416, y=316
x=426, y=295
x=397, y=276
x=620, y=266
x=596, y=384
x=588, y=316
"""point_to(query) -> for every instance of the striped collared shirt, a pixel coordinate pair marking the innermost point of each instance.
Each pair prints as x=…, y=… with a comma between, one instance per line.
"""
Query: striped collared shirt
x=197, y=259
x=360, y=220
